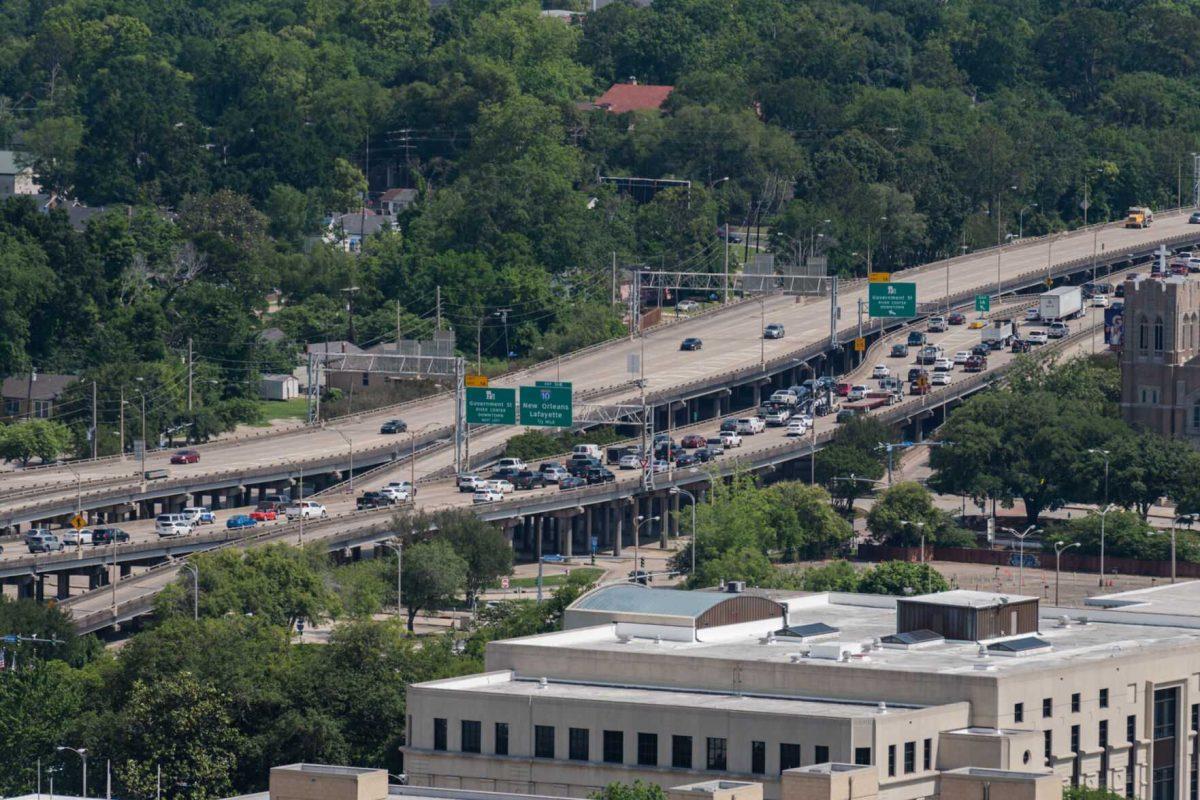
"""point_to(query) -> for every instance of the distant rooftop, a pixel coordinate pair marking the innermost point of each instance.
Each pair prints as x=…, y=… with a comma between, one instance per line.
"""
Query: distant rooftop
x=642, y=599
x=622, y=97
x=969, y=598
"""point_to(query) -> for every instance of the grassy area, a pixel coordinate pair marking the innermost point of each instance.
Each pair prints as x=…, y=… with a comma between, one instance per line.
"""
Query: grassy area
x=296, y=408
x=557, y=579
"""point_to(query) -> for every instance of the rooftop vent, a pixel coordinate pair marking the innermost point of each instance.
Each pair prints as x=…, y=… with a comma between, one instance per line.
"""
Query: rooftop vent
x=808, y=631
x=1064, y=621
x=543, y=683
x=1082, y=620
x=735, y=587
x=1026, y=645
x=882, y=707
x=911, y=639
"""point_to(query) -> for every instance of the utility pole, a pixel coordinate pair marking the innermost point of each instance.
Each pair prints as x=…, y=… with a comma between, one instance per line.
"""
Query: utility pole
x=398, y=327
x=503, y=312
x=833, y=311
x=95, y=426
x=349, y=292
x=614, y=278
x=191, y=371
x=122, y=423
x=439, y=309
x=726, y=296
x=362, y=220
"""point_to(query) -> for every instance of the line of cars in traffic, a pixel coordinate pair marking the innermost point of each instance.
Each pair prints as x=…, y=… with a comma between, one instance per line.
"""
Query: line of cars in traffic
x=390, y=494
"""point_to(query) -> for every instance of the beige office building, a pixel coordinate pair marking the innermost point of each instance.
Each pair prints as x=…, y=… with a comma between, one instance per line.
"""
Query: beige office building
x=828, y=697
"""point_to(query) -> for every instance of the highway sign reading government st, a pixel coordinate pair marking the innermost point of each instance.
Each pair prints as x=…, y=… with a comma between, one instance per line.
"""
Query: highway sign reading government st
x=488, y=406
x=892, y=299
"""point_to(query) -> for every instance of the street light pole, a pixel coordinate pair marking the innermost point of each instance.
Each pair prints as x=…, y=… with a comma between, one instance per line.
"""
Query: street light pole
x=1058, y=551
x=1103, y=516
x=637, y=539
x=192, y=568
x=692, y=497
x=82, y=753
x=1021, y=539
x=350, y=446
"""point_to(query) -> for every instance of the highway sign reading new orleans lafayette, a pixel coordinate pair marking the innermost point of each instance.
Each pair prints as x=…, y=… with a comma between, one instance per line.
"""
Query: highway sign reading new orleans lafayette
x=487, y=406
x=547, y=405
x=892, y=299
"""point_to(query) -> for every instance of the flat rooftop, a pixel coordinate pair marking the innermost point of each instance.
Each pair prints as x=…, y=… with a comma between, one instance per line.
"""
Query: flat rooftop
x=500, y=684
x=968, y=598
x=1170, y=599
x=866, y=618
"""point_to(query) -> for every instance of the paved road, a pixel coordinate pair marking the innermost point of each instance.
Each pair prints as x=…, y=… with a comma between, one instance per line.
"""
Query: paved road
x=731, y=338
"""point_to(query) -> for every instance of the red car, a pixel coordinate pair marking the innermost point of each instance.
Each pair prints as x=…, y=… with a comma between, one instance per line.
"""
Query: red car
x=841, y=389
x=693, y=440
x=267, y=514
x=957, y=318
x=185, y=457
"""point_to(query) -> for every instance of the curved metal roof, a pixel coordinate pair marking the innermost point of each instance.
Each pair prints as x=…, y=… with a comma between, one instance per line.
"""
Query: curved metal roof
x=637, y=599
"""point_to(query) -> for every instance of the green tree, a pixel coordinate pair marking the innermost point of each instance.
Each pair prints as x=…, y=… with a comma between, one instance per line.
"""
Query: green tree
x=39, y=704
x=184, y=727
x=44, y=439
x=904, y=514
x=481, y=546
x=804, y=521
x=836, y=576
x=901, y=577
x=433, y=575
x=633, y=791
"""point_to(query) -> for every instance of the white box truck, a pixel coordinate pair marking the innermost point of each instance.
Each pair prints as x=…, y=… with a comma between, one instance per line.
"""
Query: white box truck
x=998, y=334
x=1064, y=302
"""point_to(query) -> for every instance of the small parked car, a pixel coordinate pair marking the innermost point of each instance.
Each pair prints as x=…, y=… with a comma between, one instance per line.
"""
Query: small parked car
x=692, y=441
x=240, y=521
x=108, y=536
x=773, y=331
x=687, y=306
x=185, y=457
x=691, y=343
x=394, y=426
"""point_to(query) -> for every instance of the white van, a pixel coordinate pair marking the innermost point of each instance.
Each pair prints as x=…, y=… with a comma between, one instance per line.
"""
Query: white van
x=589, y=450
x=751, y=425
x=166, y=525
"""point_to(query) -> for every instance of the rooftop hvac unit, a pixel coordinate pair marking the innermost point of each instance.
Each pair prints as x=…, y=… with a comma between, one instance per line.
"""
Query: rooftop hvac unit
x=735, y=587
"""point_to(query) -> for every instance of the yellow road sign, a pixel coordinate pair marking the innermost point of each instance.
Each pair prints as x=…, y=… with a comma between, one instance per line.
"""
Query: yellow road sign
x=879, y=277
x=860, y=344
x=476, y=381
x=78, y=522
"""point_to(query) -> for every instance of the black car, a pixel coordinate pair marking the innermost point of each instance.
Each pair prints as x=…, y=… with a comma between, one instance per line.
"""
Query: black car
x=686, y=460
x=528, y=480
x=899, y=350
x=506, y=474
x=981, y=350
x=915, y=373
x=372, y=500
x=109, y=536
x=571, y=482
x=729, y=426
x=1020, y=346
x=640, y=576
x=579, y=468
x=691, y=343
x=394, y=426
x=957, y=318
x=599, y=475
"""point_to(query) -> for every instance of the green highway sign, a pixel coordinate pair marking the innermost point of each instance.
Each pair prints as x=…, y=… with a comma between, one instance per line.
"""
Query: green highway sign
x=547, y=406
x=983, y=302
x=892, y=299
x=487, y=406
x=553, y=384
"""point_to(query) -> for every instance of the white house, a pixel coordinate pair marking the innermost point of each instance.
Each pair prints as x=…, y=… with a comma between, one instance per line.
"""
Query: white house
x=278, y=387
x=15, y=179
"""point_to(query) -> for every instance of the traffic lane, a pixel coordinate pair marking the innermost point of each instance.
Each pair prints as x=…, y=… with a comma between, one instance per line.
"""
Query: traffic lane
x=732, y=339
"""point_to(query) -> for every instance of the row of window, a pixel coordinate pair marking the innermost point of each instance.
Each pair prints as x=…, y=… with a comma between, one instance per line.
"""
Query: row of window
x=612, y=747
x=1048, y=705
x=910, y=757
x=1144, y=334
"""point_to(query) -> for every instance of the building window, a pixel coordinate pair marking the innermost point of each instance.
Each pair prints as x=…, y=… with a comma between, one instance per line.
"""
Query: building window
x=1076, y=756
x=614, y=747
x=1075, y=703
x=1102, y=741
x=1047, y=707
x=1194, y=770
x=1143, y=333
x=366, y=379
x=577, y=744
x=41, y=409
x=927, y=755
x=472, y=736
x=543, y=741
x=1019, y=712
x=681, y=752
x=891, y=760
x=1165, y=712
x=1158, y=334
x=501, y=738
x=1131, y=728
x=862, y=756
x=1129, y=781
x=1104, y=698
x=1164, y=783
x=1196, y=415
x=648, y=749
x=789, y=756
x=12, y=407
x=758, y=758
x=716, y=753
x=910, y=757
x=821, y=754
x=1048, y=745
x=439, y=733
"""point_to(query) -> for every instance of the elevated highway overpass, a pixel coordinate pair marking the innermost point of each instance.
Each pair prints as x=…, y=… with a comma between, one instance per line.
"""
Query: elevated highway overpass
x=694, y=384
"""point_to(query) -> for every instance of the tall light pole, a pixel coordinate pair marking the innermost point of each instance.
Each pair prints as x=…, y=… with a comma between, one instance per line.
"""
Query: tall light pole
x=1105, y=454
x=82, y=753
x=1021, y=220
x=1021, y=539
x=1103, y=515
x=637, y=538
x=398, y=547
x=921, y=527
x=692, y=497
x=1186, y=520
x=1058, y=551
x=350, y=447
x=762, y=330
x=192, y=568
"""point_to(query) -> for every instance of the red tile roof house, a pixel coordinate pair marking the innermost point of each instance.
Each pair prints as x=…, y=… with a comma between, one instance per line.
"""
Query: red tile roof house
x=623, y=97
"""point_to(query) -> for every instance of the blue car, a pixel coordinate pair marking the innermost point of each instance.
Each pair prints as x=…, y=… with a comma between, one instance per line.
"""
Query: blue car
x=240, y=521
x=571, y=482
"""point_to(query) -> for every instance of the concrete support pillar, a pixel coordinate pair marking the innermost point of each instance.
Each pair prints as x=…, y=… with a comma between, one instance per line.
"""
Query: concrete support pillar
x=618, y=528
x=126, y=570
x=756, y=393
x=568, y=538
x=509, y=525
x=64, y=586
x=588, y=513
x=40, y=588
x=537, y=533
x=25, y=588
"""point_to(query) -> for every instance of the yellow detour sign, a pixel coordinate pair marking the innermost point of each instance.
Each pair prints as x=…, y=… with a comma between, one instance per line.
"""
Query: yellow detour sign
x=476, y=381
x=879, y=277
x=860, y=344
x=78, y=521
